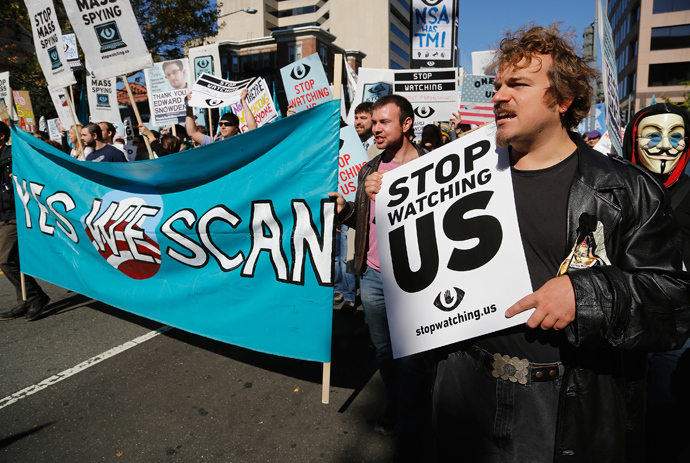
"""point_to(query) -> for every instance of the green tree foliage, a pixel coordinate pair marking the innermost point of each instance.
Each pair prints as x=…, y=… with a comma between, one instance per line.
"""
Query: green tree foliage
x=18, y=56
x=686, y=98
x=166, y=24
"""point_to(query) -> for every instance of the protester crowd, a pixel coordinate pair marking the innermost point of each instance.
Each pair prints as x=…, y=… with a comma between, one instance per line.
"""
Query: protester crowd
x=569, y=385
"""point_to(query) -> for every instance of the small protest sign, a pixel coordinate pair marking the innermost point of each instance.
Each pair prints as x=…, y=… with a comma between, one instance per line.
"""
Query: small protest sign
x=351, y=159
x=62, y=107
x=432, y=93
x=25, y=112
x=48, y=43
x=166, y=84
x=613, y=107
x=102, y=96
x=599, y=120
x=213, y=92
x=434, y=26
x=260, y=103
x=54, y=130
x=371, y=85
x=205, y=59
x=305, y=83
x=448, y=238
x=4, y=114
x=69, y=44
x=130, y=152
x=109, y=36
x=475, y=105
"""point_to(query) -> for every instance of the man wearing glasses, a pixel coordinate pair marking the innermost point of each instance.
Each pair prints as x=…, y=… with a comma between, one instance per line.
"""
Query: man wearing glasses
x=175, y=73
x=229, y=123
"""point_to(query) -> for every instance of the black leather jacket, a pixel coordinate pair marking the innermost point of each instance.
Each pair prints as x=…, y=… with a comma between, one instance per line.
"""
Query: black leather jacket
x=639, y=303
x=356, y=215
x=6, y=187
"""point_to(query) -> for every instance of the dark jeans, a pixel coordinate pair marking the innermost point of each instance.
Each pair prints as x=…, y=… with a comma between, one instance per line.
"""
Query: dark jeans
x=9, y=263
x=479, y=418
x=407, y=379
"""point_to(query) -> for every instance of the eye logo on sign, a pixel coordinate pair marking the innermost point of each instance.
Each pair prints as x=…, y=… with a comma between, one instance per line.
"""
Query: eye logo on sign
x=102, y=100
x=109, y=36
x=54, y=58
x=449, y=299
x=213, y=102
x=431, y=2
x=430, y=63
x=203, y=64
x=424, y=112
x=373, y=92
x=300, y=71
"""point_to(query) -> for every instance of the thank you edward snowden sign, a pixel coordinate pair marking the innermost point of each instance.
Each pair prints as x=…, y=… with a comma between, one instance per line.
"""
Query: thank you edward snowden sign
x=449, y=245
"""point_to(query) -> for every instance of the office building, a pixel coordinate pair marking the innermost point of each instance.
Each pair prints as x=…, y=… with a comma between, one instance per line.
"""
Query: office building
x=380, y=29
x=652, y=40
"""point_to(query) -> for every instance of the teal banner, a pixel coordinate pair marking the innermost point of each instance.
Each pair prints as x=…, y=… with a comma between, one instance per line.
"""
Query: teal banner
x=233, y=240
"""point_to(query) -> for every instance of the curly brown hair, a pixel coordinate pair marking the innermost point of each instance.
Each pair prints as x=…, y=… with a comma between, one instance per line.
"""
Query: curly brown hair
x=569, y=75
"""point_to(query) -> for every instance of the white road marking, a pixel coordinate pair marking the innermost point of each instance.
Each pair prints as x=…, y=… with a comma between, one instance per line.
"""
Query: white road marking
x=9, y=400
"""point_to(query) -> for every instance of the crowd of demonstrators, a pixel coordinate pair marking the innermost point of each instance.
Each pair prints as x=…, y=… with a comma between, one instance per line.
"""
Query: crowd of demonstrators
x=92, y=137
x=168, y=143
x=36, y=300
x=406, y=380
x=70, y=144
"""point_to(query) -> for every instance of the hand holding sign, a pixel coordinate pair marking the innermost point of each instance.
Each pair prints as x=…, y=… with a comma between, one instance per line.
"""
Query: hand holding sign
x=372, y=185
x=554, y=303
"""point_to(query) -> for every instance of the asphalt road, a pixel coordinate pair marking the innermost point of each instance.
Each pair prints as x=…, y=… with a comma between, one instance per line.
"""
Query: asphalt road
x=175, y=396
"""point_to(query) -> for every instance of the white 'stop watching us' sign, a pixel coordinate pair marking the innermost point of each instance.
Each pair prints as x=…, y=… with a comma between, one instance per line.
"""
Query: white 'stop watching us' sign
x=48, y=43
x=451, y=256
x=109, y=36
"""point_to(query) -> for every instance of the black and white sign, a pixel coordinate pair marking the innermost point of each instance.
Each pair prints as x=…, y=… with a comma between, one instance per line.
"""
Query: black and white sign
x=213, y=92
x=48, y=43
x=109, y=36
x=449, y=245
x=434, y=33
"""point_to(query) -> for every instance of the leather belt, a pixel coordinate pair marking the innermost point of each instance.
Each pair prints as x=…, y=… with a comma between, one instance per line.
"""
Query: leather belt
x=514, y=369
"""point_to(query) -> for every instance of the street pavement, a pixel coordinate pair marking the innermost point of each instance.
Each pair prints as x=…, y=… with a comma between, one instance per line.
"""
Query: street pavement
x=176, y=397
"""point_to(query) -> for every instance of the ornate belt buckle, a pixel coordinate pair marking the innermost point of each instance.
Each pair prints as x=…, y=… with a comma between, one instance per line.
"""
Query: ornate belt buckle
x=510, y=369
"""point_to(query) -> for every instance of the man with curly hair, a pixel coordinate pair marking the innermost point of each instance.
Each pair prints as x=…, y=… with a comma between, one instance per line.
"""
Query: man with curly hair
x=604, y=256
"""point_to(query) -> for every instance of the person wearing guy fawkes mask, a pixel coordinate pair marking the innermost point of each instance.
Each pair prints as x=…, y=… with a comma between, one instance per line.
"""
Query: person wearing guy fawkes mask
x=656, y=139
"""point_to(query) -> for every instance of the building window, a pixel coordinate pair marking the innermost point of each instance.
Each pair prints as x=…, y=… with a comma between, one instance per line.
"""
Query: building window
x=235, y=64
x=267, y=60
x=668, y=38
x=668, y=6
x=401, y=35
x=295, y=52
x=402, y=53
x=668, y=74
x=323, y=54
